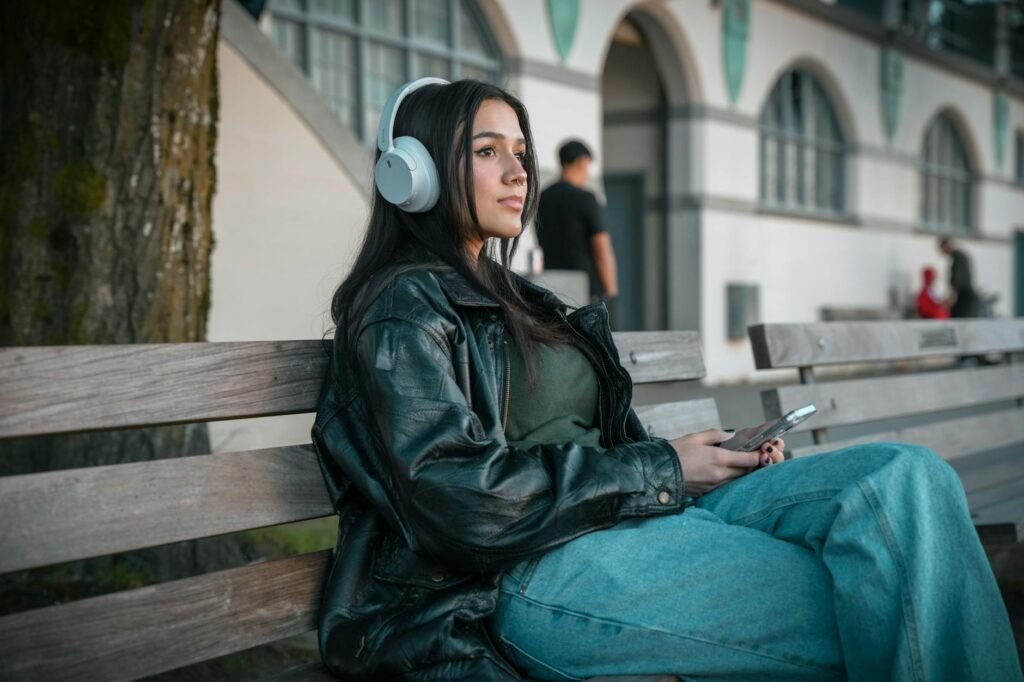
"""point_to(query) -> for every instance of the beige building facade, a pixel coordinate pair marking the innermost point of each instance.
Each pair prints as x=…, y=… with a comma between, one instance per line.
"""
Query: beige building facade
x=764, y=159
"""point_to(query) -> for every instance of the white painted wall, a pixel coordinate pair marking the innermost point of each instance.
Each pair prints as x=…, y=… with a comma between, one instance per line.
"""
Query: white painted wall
x=286, y=223
x=800, y=265
x=279, y=192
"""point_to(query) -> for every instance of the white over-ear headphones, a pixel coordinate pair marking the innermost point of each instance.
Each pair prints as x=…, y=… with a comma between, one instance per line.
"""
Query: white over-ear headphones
x=405, y=174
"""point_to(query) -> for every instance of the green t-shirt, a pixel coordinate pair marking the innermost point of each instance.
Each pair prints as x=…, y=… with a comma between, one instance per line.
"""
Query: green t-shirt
x=561, y=406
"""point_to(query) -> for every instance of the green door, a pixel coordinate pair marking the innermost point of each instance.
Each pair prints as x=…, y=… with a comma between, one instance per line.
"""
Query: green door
x=624, y=220
x=1018, y=263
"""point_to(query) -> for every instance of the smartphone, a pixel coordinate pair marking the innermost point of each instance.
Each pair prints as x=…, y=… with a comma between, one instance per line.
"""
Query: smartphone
x=748, y=443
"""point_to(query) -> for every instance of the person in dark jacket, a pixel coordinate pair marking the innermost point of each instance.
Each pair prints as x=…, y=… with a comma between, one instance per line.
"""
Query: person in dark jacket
x=503, y=513
x=961, y=281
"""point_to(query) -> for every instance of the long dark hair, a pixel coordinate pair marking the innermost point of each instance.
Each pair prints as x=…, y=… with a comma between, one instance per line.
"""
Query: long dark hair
x=441, y=117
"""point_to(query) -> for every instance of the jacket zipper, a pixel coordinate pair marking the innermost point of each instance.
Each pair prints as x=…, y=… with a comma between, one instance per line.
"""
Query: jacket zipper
x=508, y=386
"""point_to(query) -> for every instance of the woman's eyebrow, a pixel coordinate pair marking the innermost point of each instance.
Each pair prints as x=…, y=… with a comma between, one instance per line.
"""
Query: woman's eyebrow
x=499, y=136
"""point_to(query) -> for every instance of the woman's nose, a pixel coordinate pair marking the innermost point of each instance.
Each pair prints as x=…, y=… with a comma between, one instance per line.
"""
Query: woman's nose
x=516, y=174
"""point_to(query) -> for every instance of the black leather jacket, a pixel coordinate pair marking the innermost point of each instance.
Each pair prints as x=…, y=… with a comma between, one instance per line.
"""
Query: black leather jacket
x=433, y=502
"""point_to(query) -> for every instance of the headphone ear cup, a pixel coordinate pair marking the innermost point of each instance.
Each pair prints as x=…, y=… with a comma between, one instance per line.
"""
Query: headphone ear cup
x=406, y=176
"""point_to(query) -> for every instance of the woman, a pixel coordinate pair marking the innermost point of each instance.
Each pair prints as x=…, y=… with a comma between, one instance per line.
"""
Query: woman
x=503, y=512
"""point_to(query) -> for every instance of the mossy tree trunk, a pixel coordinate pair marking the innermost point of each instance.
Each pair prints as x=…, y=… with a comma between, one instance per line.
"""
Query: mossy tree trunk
x=108, y=122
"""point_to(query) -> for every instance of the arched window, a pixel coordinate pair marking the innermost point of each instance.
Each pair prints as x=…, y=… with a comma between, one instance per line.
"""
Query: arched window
x=802, y=150
x=357, y=52
x=946, y=179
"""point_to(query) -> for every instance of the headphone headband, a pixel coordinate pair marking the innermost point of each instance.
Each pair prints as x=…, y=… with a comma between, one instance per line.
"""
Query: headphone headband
x=386, y=130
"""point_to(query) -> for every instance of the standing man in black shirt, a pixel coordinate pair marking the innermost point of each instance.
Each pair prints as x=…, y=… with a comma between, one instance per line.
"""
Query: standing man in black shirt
x=569, y=228
x=960, y=281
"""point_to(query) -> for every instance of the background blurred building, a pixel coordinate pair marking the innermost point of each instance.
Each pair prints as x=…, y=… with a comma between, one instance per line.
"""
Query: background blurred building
x=761, y=159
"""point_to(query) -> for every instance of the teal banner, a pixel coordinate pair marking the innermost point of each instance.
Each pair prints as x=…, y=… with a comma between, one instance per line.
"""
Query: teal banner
x=563, y=15
x=735, y=32
x=891, y=84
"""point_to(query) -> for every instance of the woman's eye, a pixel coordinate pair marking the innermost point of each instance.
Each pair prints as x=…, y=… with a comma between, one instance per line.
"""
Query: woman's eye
x=521, y=156
x=485, y=151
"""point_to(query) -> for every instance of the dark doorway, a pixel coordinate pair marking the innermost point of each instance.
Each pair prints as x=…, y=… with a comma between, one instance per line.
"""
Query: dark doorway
x=1018, y=267
x=624, y=218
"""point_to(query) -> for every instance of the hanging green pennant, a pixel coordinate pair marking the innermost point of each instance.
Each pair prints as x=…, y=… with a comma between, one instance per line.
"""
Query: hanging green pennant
x=891, y=83
x=735, y=32
x=563, y=16
x=1000, y=124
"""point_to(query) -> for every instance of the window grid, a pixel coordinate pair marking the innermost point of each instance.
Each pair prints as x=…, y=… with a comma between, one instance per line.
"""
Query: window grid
x=356, y=52
x=802, y=149
x=946, y=179
x=1020, y=157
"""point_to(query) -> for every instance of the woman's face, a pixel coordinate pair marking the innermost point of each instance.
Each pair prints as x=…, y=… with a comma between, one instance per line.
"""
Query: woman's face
x=499, y=179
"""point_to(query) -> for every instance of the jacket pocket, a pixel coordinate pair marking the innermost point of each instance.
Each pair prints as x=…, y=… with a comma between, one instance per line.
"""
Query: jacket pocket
x=399, y=565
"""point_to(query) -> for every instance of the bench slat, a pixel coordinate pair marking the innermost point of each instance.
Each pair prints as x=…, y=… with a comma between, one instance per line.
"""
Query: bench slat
x=1002, y=523
x=661, y=356
x=79, y=388
x=671, y=420
x=988, y=469
x=951, y=439
x=132, y=634
x=810, y=344
x=998, y=511
x=75, y=514
x=863, y=400
x=62, y=389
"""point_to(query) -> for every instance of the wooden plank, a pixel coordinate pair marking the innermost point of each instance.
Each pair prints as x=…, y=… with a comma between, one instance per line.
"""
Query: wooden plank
x=671, y=420
x=995, y=496
x=987, y=469
x=62, y=389
x=998, y=512
x=132, y=634
x=74, y=514
x=862, y=400
x=951, y=438
x=661, y=356
x=78, y=388
x=1002, y=523
x=823, y=343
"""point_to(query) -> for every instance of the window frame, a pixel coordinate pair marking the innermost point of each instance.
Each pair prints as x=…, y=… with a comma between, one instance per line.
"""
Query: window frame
x=947, y=183
x=791, y=142
x=364, y=36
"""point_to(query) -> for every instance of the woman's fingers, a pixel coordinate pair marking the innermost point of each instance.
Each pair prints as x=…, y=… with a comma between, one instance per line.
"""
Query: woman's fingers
x=772, y=452
x=734, y=463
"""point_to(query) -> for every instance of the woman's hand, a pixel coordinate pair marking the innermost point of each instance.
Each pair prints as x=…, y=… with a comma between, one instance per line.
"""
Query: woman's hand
x=705, y=466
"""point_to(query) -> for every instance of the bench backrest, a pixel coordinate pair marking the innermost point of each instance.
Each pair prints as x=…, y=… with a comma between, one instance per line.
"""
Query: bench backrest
x=917, y=370
x=68, y=515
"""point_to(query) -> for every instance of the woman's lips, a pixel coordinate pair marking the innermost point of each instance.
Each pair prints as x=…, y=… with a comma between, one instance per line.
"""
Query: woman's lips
x=515, y=203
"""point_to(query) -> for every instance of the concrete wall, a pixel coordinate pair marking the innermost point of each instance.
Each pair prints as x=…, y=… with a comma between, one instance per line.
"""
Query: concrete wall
x=286, y=220
x=274, y=183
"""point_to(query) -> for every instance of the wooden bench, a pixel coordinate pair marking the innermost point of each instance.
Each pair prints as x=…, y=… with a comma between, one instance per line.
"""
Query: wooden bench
x=68, y=515
x=916, y=368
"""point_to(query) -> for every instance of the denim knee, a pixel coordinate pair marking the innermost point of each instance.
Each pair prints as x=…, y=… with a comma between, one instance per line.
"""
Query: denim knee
x=917, y=462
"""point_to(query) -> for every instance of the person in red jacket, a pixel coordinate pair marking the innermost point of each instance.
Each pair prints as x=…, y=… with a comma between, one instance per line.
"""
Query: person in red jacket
x=929, y=306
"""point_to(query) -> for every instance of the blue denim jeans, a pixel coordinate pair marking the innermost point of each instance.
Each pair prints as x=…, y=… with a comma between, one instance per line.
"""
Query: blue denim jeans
x=860, y=564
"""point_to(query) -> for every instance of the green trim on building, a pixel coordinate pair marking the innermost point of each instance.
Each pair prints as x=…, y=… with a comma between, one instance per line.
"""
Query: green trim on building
x=563, y=16
x=735, y=33
x=891, y=84
x=1000, y=124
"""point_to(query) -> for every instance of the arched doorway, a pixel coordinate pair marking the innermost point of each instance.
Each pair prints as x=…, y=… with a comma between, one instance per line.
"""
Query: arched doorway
x=646, y=164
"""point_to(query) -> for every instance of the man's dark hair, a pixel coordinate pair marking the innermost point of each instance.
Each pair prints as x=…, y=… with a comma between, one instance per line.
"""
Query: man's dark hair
x=572, y=151
x=945, y=241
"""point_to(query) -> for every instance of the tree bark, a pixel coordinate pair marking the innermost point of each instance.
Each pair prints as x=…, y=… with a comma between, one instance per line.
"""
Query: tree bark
x=108, y=123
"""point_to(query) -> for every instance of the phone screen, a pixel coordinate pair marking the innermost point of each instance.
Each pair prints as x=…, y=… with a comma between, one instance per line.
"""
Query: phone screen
x=776, y=428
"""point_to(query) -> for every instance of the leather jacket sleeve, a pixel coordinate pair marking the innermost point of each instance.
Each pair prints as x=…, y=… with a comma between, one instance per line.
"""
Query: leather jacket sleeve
x=461, y=494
